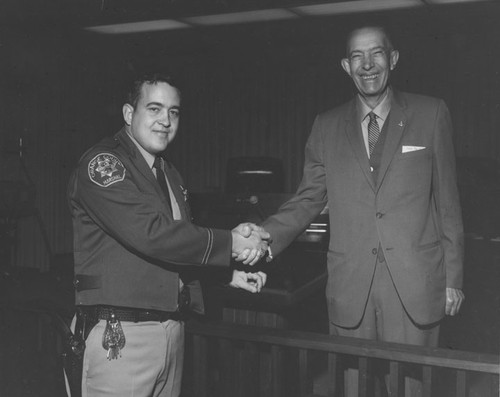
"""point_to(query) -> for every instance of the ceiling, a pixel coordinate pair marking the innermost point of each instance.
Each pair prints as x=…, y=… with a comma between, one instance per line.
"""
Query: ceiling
x=131, y=16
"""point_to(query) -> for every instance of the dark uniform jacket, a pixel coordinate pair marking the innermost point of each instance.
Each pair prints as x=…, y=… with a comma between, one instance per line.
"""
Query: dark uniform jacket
x=128, y=250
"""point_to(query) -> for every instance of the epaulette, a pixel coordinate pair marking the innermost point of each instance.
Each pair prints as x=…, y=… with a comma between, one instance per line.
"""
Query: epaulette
x=108, y=143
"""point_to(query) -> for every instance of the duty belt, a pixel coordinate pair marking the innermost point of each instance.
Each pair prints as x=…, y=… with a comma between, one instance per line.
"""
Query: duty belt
x=101, y=312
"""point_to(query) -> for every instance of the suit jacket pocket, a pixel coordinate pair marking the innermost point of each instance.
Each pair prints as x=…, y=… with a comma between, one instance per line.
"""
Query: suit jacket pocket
x=413, y=154
x=430, y=256
x=428, y=246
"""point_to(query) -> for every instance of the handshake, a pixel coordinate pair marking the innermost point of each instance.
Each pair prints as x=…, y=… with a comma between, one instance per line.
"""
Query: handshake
x=250, y=243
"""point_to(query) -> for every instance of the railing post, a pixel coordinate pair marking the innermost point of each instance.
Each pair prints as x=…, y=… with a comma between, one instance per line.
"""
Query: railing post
x=426, y=381
x=200, y=368
x=335, y=375
x=251, y=373
x=461, y=390
x=239, y=367
x=227, y=379
x=305, y=385
x=495, y=385
x=265, y=373
x=276, y=370
x=363, y=377
x=396, y=380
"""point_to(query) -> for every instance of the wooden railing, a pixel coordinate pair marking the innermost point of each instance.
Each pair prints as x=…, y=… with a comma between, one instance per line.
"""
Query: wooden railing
x=224, y=359
x=234, y=360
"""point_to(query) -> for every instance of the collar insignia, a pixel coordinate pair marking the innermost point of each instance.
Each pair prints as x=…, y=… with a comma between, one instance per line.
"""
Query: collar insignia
x=184, y=192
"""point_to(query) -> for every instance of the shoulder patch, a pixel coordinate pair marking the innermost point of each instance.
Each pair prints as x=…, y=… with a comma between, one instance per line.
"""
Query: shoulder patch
x=105, y=169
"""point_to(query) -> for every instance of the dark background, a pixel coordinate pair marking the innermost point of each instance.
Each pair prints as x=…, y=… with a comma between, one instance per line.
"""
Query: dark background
x=248, y=90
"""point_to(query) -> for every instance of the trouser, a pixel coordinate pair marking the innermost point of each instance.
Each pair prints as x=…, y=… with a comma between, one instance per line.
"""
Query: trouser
x=149, y=365
x=385, y=319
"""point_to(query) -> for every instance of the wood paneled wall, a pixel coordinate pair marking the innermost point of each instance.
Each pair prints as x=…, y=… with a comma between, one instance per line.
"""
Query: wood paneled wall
x=247, y=91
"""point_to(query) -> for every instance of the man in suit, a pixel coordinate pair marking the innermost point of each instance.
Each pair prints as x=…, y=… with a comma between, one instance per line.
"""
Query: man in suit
x=384, y=165
x=136, y=251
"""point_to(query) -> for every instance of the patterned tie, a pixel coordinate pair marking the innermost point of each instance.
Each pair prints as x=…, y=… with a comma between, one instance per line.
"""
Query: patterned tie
x=373, y=131
x=162, y=180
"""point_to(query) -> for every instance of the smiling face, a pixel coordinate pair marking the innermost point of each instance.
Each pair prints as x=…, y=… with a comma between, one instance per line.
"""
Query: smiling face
x=154, y=121
x=370, y=60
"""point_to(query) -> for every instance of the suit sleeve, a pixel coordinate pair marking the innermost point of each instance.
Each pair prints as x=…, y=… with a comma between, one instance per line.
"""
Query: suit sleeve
x=294, y=216
x=137, y=219
x=446, y=198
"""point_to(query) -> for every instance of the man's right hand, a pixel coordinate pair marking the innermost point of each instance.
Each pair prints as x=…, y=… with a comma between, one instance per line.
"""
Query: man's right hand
x=250, y=243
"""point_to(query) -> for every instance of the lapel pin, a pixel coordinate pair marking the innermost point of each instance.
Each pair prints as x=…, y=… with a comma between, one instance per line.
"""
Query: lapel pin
x=400, y=124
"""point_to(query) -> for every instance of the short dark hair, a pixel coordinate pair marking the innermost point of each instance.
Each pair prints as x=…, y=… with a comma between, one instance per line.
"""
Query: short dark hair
x=134, y=91
x=380, y=28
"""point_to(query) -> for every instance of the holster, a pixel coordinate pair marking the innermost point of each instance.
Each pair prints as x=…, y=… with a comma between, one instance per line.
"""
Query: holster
x=73, y=350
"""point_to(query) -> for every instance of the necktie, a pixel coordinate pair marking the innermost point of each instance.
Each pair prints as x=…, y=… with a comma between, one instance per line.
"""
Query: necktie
x=162, y=180
x=373, y=131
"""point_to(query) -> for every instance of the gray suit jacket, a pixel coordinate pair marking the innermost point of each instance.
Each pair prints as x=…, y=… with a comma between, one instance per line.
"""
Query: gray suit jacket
x=412, y=210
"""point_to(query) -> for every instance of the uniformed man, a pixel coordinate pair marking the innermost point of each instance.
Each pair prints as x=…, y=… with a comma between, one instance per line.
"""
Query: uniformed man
x=133, y=243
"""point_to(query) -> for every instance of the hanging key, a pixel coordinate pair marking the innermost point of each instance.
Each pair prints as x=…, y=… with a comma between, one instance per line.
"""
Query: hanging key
x=113, y=339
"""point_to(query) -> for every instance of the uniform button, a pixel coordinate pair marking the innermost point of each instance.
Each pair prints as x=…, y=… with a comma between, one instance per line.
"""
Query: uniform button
x=379, y=215
x=374, y=251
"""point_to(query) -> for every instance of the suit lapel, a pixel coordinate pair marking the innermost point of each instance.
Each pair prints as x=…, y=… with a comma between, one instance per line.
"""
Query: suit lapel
x=395, y=129
x=355, y=137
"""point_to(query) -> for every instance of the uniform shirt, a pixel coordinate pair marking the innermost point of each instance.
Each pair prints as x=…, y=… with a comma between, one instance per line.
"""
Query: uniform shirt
x=150, y=159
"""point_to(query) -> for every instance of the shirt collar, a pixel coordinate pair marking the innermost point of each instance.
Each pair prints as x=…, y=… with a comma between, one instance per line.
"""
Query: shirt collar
x=381, y=110
x=150, y=159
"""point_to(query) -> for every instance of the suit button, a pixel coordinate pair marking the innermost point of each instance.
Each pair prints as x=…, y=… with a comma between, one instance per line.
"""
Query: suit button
x=379, y=215
x=374, y=251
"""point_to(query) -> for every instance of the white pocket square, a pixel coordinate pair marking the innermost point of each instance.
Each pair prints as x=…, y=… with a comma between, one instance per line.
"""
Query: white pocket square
x=407, y=149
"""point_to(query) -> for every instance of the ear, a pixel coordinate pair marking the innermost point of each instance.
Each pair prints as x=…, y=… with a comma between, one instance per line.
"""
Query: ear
x=393, y=59
x=127, y=111
x=346, y=65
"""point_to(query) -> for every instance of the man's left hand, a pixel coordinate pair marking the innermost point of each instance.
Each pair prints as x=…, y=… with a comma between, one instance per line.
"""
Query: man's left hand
x=252, y=282
x=454, y=299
